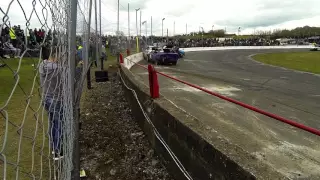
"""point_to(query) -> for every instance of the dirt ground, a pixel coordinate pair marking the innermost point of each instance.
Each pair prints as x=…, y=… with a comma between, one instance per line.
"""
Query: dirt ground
x=112, y=144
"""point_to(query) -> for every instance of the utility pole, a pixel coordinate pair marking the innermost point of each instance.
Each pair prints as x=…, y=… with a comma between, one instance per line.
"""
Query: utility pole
x=151, y=32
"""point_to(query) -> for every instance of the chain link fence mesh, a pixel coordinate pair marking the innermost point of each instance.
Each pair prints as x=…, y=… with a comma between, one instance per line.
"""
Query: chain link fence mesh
x=37, y=106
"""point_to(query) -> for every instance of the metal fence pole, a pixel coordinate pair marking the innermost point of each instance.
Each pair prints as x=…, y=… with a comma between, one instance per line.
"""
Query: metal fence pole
x=96, y=34
x=129, y=27
x=100, y=41
x=75, y=173
x=140, y=21
x=118, y=51
x=88, y=48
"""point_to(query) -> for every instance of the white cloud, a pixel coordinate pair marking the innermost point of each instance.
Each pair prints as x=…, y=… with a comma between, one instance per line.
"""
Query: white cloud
x=250, y=15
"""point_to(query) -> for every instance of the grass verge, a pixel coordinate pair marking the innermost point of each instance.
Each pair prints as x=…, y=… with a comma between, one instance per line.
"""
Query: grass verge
x=34, y=152
x=301, y=61
x=20, y=116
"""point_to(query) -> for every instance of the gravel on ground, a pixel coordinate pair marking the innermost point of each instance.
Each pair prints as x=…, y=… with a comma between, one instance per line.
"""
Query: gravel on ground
x=112, y=145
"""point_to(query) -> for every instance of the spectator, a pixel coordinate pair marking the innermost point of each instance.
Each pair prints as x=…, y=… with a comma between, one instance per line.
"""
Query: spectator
x=51, y=82
x=13, y=37
x=50, y=79
x=15, y=51
x=103, y=53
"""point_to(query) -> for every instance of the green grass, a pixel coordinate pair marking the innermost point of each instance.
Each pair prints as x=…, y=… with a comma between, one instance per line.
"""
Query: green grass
x=16, y=110
x=34, y=133
x=302, y=61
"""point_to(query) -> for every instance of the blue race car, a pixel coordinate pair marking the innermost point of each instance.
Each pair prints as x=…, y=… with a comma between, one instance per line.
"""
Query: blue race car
x=164, y=56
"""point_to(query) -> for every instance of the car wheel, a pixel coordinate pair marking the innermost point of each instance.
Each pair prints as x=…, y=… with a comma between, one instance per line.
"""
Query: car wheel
x=175, y=63
x=149, y=58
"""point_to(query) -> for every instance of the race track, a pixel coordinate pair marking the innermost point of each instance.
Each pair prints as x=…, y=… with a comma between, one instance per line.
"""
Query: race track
x=233, y=73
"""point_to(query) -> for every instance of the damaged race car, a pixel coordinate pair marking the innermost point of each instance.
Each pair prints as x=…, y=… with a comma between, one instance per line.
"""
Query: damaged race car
x=148, y=51
x=315, y=47
x=180, y=52
x=164, y=56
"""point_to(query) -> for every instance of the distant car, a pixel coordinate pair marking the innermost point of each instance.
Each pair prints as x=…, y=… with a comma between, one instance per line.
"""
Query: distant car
x=315, y=47
x=164, y=56
x=147, y=51
x=177, y=50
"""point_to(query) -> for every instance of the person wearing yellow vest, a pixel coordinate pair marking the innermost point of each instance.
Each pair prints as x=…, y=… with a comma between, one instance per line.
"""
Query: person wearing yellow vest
x=13, y=37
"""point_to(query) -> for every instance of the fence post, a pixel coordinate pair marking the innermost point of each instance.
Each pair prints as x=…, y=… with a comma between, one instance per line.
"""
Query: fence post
x=87, y=59
x=121, y=58
x=75, y=173
x=153, y=82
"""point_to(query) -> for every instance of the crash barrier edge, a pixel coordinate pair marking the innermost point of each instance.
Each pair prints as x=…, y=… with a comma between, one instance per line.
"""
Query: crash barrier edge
x=201, y=157
x=245, y=48
x=154, y=86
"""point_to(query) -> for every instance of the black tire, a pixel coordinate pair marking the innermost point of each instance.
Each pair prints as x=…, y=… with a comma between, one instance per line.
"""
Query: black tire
x=175, y=63
x=149, y=58
x=163, y=60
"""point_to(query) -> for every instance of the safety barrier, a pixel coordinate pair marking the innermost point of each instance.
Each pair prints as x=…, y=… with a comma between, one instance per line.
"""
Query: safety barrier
x=246, y=47
x=178, y=138
x=154, y=93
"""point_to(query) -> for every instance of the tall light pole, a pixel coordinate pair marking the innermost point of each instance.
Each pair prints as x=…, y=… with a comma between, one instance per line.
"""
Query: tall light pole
x=174, y=28
x=145, y=22
x=212, y=30
x=162, y=25
x=129, y=44
x=202, y=35
x=186, y=28
x=137, y=20
x=140, y=21
x=151, y=32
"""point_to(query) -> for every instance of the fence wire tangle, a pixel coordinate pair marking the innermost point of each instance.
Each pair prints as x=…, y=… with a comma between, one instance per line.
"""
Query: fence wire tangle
x=38, y=107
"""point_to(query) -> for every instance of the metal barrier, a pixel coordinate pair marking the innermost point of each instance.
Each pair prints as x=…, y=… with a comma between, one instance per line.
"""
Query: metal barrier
x=154, y=91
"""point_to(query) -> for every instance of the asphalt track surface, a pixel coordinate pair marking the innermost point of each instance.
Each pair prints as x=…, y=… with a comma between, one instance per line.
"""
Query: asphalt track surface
x=291, y=94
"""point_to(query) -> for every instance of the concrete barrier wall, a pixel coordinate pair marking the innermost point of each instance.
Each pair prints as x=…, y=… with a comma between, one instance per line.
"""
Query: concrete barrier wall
x=246, y=47
x=204, y=156
x=200, y=158
x=129, y=61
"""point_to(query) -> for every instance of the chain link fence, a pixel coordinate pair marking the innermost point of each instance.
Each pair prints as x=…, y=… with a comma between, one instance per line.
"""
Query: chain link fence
x=45, y=55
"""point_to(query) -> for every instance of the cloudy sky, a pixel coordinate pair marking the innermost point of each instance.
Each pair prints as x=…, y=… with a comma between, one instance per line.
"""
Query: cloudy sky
x=250, y=15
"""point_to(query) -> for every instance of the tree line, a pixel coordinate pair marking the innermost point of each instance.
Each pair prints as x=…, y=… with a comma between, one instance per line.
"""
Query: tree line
x=299, y=32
